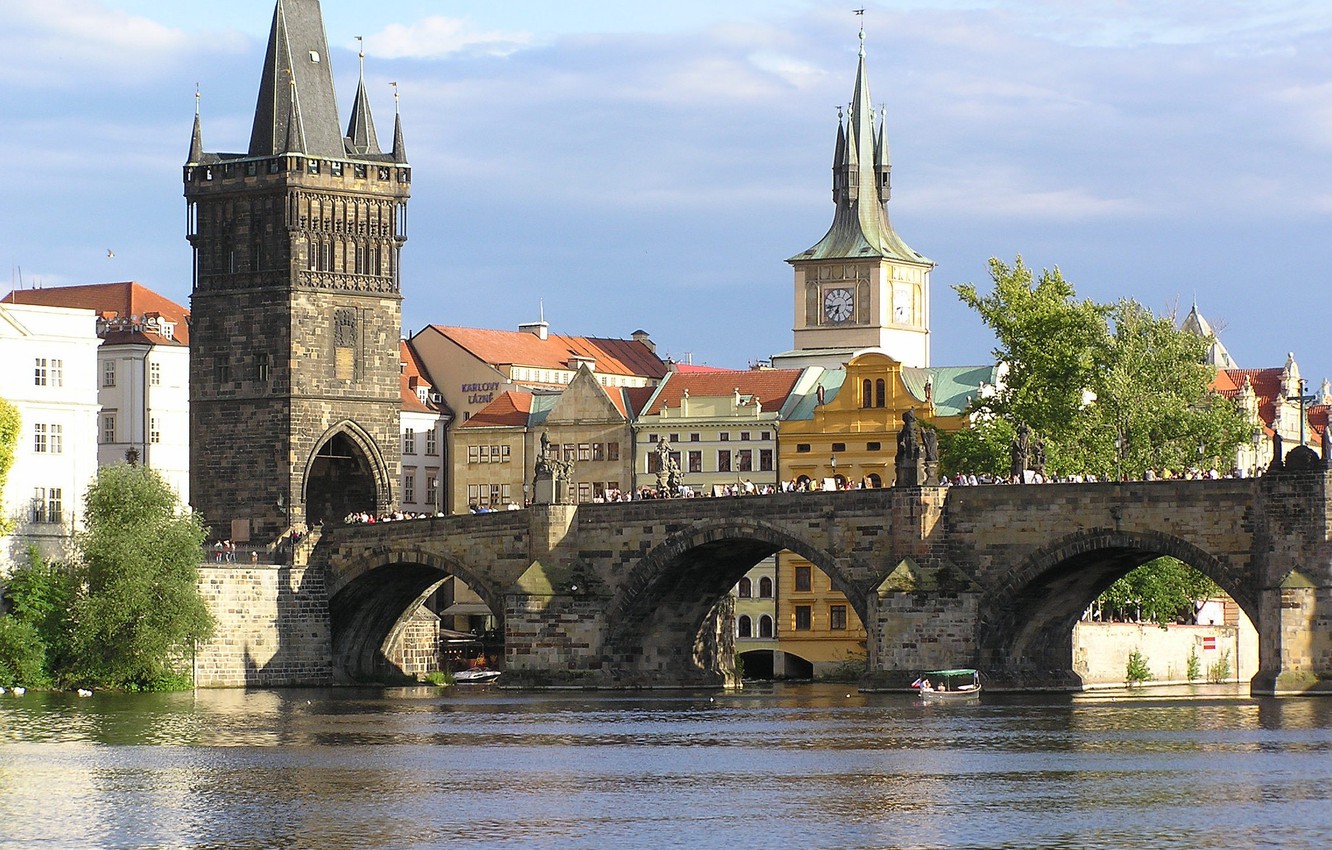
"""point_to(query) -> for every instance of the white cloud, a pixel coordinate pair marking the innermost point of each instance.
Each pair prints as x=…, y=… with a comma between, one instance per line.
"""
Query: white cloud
x=436, y=36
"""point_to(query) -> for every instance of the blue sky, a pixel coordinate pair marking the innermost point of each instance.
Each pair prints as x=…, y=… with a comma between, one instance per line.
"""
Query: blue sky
x=635, y=165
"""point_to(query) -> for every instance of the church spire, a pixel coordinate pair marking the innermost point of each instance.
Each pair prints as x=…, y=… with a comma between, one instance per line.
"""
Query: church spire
x=297, y=51
x=295, y=141
x=361, y=129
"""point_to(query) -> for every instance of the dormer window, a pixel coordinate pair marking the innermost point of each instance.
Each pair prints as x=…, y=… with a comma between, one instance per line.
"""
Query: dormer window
x=314, y=56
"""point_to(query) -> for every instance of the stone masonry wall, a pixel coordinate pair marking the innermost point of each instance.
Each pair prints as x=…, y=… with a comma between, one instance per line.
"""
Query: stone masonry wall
x=272, y=627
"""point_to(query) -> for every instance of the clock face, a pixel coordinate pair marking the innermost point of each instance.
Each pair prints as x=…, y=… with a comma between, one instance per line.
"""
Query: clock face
x=901, y=304
x=837, y=304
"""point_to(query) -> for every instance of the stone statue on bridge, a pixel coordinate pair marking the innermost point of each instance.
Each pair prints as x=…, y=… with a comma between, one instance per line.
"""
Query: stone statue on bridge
x=910, y=462
x=668, y=471
x=551, y=475
x=1020, y=454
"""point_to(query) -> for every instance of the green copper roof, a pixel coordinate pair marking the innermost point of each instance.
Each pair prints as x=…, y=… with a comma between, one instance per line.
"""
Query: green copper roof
x=861, y=188
x=953, y=387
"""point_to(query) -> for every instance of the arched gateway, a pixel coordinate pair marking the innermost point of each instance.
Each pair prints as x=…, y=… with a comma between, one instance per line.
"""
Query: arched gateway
x=345, y=474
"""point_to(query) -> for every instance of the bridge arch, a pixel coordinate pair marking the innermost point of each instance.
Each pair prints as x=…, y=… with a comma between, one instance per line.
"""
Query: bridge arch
x=371, y=604
x=657, y=620
x=1024, y=629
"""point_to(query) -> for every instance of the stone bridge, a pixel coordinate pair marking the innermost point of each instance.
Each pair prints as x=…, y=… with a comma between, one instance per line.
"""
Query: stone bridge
x=993, y=577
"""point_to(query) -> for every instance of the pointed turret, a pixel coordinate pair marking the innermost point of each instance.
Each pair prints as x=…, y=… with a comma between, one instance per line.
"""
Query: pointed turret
x=399, y=147
x=861, y=169
x=196, y=139
x=295, y=141
x=361, y=138
x=297, y=52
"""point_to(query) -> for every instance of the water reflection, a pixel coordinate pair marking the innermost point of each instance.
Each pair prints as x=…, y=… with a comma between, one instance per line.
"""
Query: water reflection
x=812, y=766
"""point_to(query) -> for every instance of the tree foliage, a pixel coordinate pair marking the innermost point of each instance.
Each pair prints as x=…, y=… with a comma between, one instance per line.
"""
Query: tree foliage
x=10, y=425
x=1112, y=389
x=139, y=610
x=1162, y=591
x=34, y=638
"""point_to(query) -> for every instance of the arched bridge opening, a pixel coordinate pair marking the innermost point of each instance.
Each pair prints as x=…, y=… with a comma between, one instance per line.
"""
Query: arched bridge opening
x=381, y=626
x=673, y=620
x=1025, y=632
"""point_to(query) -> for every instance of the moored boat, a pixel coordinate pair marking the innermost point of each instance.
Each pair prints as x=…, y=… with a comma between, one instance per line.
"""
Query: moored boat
x=475, y=676
x=954, y=685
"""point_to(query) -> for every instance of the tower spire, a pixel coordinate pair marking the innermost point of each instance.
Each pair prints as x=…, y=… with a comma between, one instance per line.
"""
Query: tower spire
x=399, y=147
x=361, y=128
x=196, y=138
x=298, y=51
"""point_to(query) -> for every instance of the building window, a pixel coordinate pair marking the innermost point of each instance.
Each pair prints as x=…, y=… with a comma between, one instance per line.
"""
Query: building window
x=723, y=460
x=837, y=617
x=432, y=443
x=47, y=505
x=409, y=486
x=39, y=438
x=765, y=460
x=765, y=588
x=432, y=490
x=873, y=447
x=584, y=492
x=598, y=451
x=109, y=373
x=653, y=462
x=409, y=441
x=744, y=627
x=693, y=438
x=584, y=451
x=879, y=387
x=744, y=460
x=839, y=447
x=765, y=626
x=803, y=620
x=154, y=430
x=675, y=438
x=866, y=393
x=39, y=372
x=763, y=435
x=745, y=589
x=262, y=367
x=613, y=451
x=108, y=428
x=802, y=448
x=744, y=436
x=803, y=579
x=724, y=436
x=569, y=453
x=154, y=374
x=221, y=369
x=57, y=373
x=695, y=461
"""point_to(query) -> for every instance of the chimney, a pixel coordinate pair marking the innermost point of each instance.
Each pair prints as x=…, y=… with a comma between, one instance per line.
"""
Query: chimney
x=641, y=335
x=540, y=330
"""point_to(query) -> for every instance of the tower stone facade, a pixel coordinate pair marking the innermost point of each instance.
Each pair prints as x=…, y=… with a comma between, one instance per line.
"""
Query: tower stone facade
x=296, y=304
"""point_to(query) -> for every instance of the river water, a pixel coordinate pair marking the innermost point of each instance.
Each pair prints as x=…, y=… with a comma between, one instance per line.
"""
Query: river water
x=807, y=766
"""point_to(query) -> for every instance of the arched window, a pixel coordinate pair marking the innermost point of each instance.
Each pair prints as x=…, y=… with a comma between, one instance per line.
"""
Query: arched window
x=866, y=399
x=746, y=627
x=874, y=480
x=765, y=588
x=745, y=589
x=879, y=398
x=765, y=626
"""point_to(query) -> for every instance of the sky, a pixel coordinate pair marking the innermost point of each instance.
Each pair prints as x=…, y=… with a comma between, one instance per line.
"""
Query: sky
x=631, y=165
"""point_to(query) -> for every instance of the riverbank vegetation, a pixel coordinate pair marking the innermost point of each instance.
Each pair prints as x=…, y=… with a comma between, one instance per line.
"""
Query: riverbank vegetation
x=124, y=611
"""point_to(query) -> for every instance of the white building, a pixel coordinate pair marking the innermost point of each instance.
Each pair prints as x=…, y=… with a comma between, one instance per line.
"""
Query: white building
x=51, y=354
x=142, y=374
x=424, y=420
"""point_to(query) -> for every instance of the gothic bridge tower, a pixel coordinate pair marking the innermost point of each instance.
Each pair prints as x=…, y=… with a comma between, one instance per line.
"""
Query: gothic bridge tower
x=861, y=287
x=296, y=304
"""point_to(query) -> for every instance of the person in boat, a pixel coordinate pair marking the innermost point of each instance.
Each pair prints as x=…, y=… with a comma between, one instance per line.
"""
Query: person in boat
x=925, y=685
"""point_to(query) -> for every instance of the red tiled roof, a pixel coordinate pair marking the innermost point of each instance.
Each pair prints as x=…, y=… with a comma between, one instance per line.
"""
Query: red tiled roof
x=1266, y=386
x=1318, y=417
x=512, y=408
x=110, y=300
x=411, y=380
x=518, y=348
x=770, y=386
x=685, y=368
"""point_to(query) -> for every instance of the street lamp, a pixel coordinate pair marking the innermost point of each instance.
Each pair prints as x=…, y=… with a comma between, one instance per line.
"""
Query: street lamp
x=1119, y=457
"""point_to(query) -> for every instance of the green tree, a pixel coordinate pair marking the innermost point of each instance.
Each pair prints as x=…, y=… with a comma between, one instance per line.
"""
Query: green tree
x=10, y=425
x=139, y=611
x=34, y=636
x=1161, y=591
x=1110, y=389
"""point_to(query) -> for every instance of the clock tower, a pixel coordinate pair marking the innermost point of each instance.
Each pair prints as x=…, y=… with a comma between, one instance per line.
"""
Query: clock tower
x=861, y=287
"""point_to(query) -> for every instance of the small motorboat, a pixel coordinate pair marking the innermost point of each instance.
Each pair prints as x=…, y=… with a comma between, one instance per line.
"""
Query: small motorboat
x=475, y=676
x=955, y=685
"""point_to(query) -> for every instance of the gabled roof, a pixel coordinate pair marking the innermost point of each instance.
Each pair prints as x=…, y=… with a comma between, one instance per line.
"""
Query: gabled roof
x=413, y=378
x=771, y=387
x=511, y=410
x=517, y=348
x=1266, y=386
x=127, y=300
